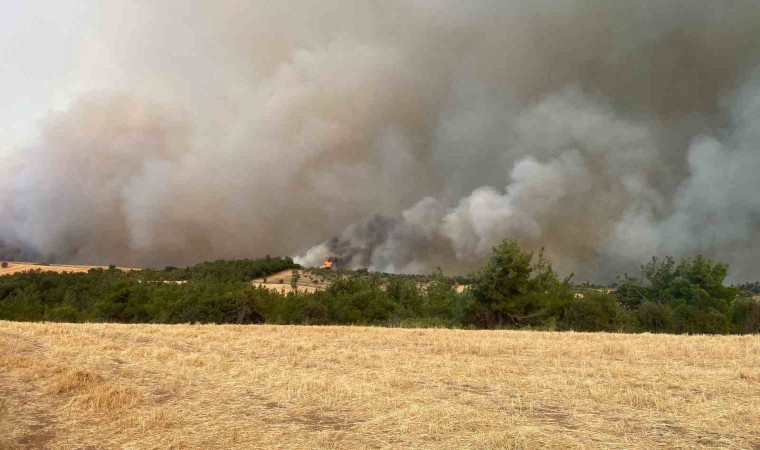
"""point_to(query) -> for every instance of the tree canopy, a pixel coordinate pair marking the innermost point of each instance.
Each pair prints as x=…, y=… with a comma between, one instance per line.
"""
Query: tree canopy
x=514, y=289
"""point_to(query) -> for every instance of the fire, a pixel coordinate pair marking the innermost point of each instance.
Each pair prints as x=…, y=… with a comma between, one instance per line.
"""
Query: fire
x=328, y=264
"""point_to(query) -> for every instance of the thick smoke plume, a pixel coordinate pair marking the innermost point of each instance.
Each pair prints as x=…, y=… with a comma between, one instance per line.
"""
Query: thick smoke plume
x=426, y=131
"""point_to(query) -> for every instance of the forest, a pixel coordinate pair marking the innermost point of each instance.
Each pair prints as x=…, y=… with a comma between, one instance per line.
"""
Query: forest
x=515, y=289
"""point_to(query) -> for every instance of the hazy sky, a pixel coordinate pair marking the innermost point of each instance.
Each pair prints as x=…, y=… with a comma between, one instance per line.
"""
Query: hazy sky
x=40, y=41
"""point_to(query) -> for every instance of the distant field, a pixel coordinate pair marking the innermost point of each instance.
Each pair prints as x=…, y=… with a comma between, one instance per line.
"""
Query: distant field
x=17, y=267
x=309, y=281
x=305, y=284
x=210, y=386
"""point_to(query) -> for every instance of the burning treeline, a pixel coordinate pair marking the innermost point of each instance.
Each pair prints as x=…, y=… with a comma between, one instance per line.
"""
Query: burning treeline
x=605, y=133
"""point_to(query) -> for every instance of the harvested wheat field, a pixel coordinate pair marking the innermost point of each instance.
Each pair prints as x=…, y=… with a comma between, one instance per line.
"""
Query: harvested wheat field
x=272, y=282
x=18, y=267
x=208, y=386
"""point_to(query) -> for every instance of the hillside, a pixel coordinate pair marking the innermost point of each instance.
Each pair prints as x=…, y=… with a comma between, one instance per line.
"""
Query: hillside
x=281, y=281
x=211, y=386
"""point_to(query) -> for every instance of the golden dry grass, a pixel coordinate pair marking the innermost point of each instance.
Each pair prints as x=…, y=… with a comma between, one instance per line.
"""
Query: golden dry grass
x=18, y=267
x=310, y=282
x=207, y=386
x=305, y=284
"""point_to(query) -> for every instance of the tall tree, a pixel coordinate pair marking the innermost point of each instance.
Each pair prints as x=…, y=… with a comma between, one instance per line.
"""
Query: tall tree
x=510, y=290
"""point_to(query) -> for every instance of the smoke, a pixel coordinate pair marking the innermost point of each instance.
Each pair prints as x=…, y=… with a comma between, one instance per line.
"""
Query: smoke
x=426, y=131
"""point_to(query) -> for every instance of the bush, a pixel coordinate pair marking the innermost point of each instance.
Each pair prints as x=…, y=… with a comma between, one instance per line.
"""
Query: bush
x=655, y=318
x=425, y=322
x=63, y=314
x=315, y=312
x=712, y=321
x=745, y=315
x=692, y=320
x=595, y=311
x=4, y=265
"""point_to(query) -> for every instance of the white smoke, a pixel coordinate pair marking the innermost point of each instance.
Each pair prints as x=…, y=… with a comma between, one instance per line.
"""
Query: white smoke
x=427, y=131
x=594, y=202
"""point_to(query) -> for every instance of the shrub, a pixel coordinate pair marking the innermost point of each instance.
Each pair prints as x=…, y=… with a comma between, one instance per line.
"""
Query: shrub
x=656, y=318
x=745, y=314
x=63, y=314
x=4, y=264
x=425, y=322
x=315, y=312
x=693, y=320
x=596, y=311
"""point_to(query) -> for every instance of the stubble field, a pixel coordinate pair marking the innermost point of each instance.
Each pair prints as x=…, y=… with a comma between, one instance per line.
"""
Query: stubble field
x=209, y=386
x=19, y=267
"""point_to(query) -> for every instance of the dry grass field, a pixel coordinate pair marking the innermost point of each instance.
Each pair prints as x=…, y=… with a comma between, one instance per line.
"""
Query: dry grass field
x=308, y=282
x=206, y=386
x=305, y=283
x=18, y=267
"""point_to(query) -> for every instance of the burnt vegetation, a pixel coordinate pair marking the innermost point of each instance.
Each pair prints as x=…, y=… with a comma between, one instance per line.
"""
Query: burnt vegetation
x=515, y=289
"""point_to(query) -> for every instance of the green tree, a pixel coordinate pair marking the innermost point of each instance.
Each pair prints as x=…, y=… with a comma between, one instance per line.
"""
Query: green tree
x=510, y=290
x=296, y=275
x=692, y=290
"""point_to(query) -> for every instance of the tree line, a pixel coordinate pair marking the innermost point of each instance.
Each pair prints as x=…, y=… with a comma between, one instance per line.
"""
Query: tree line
x=515, y=289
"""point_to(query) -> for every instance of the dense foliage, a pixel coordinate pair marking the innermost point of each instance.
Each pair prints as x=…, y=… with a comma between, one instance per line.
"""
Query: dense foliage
x=240, y=270
x=515, y=289
x=687, y=297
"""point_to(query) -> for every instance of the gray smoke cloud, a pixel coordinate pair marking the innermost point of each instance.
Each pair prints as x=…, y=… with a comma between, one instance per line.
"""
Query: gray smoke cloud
x=426, y=131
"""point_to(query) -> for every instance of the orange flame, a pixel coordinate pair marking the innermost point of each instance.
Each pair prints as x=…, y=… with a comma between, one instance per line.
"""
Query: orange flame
x=327, y=265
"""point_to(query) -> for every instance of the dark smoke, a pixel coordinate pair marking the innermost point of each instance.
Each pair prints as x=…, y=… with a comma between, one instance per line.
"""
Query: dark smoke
x=605, y=132
x=360, y=242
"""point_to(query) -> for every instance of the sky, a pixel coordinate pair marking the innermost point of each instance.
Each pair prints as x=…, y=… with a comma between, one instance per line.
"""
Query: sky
x=40, y=43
